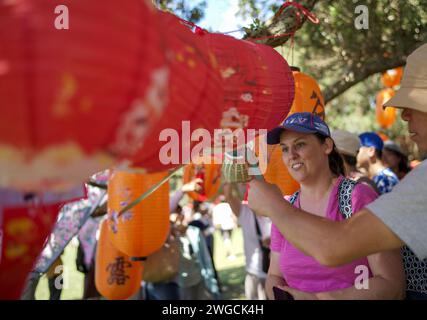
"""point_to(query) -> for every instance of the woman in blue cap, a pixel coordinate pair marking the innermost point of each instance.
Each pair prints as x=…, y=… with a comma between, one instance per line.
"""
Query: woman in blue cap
x=313, y=161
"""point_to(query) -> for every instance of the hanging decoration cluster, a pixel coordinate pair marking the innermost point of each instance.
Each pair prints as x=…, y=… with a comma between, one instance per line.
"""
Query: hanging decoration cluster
x=121, y=90
x=390, y=79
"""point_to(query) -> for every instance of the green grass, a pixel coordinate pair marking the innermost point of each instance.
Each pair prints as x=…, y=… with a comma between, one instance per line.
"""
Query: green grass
x=73, y=279
x=230, y=272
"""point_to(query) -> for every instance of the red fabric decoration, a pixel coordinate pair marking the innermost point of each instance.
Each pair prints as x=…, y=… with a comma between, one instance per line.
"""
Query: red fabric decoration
x=27, y=221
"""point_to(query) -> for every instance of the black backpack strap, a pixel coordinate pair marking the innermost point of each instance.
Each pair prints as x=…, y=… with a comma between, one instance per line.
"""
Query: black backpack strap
x=345, y=190
x=294, y=198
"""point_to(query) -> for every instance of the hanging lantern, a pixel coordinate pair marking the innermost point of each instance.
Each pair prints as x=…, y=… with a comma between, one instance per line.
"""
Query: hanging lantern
x=116, y=276
x=209, y=173
x=385, y=117
x=26, y=221
x=392, y=77
x=74, y=100
x=258, y=84
x=194, y=98
x=308, y=97
x=143, y=229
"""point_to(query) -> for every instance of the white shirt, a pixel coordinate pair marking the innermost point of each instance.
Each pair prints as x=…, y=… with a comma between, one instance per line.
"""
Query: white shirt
x=404, y=210
x=250, y=239
x=223, y=215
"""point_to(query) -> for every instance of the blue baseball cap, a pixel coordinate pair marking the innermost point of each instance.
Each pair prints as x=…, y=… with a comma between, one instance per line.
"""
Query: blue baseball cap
x=304, y=122
x=371, y=139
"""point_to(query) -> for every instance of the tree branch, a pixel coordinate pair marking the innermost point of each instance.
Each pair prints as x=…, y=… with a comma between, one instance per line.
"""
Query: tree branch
x=285, y=23
x=360, y=75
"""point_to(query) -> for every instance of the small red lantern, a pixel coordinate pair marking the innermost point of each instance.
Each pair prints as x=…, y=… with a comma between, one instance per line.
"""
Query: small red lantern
x=209, y=173
x=385, y=117
x=141, y=230
x=74, y=100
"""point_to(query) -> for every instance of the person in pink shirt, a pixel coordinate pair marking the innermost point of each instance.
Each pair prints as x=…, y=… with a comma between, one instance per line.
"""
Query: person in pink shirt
x=312, y=159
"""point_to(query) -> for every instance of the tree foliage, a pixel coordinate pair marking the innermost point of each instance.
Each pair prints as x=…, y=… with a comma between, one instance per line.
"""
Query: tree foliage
x=187, y=9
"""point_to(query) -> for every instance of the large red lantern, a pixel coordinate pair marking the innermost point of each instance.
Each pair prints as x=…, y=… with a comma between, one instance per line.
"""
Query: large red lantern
x=73, y=100
x=116, y=276
x=392, y=77
x=141, y=230
x=385, y=117
x=258, y=83
x=194, y=98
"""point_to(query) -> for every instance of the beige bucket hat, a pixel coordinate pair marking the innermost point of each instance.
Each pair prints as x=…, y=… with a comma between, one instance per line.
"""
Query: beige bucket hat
x=347, y=143
x=413, y=90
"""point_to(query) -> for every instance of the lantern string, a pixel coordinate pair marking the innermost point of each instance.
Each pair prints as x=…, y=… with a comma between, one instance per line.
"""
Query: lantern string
x=311, y=16
x=149, y=191
x=301, y=10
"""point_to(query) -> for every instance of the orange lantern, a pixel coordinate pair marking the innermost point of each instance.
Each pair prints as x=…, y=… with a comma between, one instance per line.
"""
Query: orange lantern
x=210, y=173
x=383, y=136
x=141, y=230
x=308, y=97
x=392, y=77
x=385, y=117
x=116, y=276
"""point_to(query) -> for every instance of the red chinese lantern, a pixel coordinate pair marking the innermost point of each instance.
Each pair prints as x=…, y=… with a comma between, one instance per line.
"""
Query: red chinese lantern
x=195, y=96
x=209, y=173
x=74, y=100
x=26, y=221
x=258, y=83
x=143, y=229
x=385, y=117
x=308, y=96
x=116, y=276
x=392, y=77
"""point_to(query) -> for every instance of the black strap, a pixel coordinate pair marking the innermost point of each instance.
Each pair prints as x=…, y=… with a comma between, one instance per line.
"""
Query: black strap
x=258, y=231
x=345, y=190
